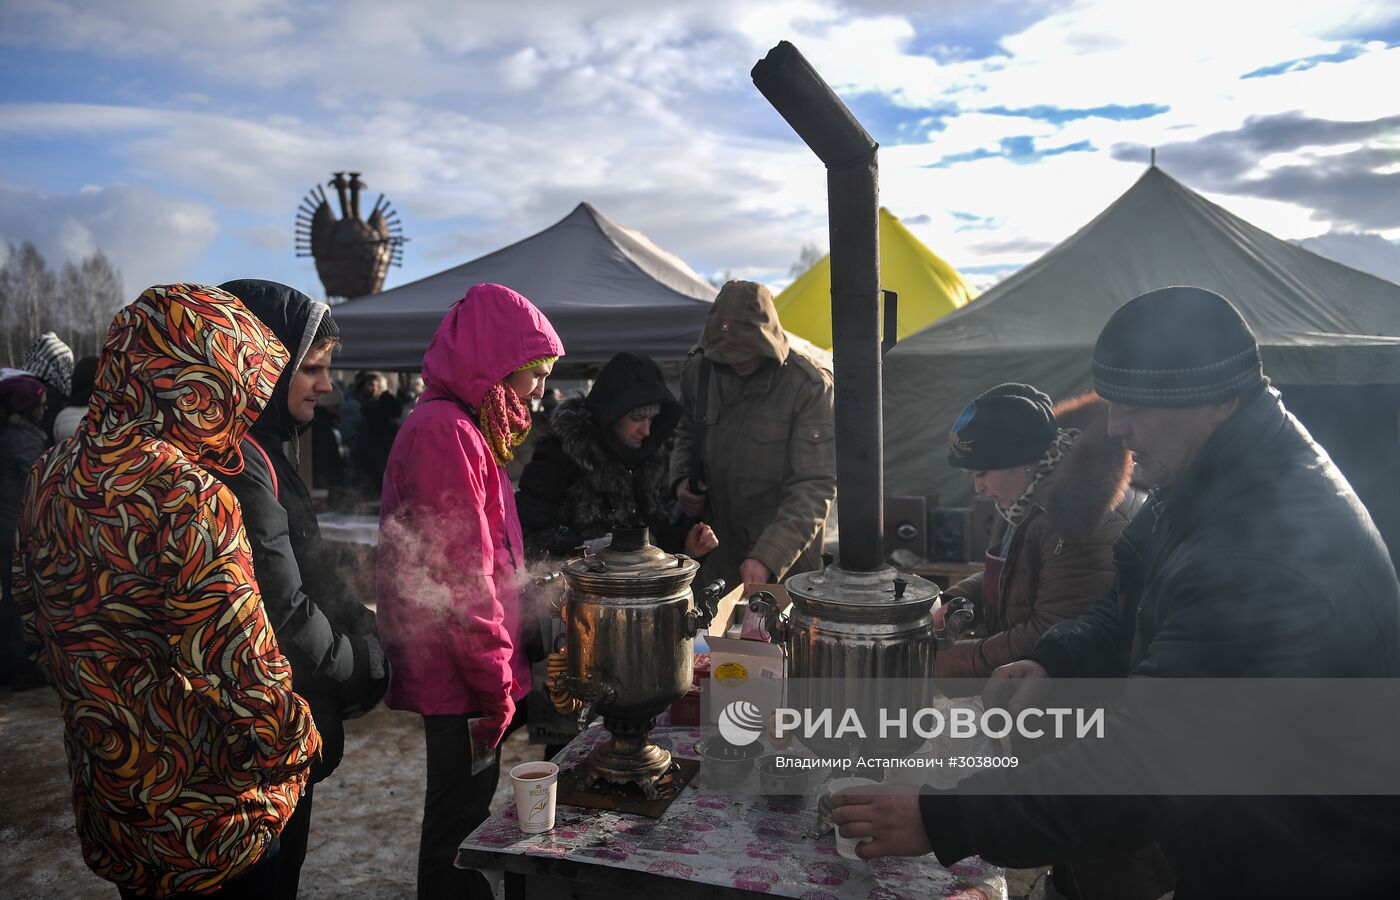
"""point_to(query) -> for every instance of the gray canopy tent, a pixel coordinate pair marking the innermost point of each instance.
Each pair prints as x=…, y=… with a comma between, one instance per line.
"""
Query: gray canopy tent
x=1330, y=336
x=604, y=287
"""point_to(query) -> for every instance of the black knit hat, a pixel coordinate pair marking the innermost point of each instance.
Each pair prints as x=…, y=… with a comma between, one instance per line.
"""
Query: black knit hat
x=1008, y=426
x=1175, y=347
x=627, y=382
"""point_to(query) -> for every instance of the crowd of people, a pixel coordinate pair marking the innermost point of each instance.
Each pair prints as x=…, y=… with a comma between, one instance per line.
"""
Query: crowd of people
x=170, y=582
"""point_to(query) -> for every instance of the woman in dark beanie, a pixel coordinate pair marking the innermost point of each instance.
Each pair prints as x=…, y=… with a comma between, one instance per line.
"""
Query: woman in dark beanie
x=602, y=464
x=1060, y=485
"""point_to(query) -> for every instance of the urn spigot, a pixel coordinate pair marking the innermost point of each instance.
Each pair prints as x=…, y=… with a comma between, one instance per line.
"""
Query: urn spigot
x=774, y=622
x=706, y=605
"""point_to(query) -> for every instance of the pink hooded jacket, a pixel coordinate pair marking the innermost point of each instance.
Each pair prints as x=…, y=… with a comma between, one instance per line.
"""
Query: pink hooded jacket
x=450, y=548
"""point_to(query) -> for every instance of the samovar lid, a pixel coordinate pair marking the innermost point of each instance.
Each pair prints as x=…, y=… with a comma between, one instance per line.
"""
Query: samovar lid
x=630, y=564
x=878, y=595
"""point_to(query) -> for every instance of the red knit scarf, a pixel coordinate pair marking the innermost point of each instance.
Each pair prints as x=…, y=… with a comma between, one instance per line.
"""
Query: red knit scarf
x=505, y=421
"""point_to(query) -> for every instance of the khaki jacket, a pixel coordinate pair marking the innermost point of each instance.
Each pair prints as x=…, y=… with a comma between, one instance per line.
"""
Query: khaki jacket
x=769, y=451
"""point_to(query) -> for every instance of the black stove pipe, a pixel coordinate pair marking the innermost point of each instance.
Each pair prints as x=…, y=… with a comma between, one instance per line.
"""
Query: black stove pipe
x=819, y=117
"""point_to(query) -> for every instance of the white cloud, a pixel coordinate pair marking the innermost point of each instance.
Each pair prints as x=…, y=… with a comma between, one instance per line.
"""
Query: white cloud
x=152, y=238
x=495, y=125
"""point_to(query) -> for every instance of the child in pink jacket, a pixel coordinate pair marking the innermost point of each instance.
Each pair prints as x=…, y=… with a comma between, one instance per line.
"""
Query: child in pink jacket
x=451, y=556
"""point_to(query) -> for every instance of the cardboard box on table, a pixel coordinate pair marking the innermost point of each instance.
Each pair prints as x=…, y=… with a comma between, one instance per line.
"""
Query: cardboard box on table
x=743, y=668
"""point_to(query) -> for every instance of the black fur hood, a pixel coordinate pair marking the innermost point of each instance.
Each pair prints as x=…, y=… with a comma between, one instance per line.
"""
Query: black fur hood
x=592, y=447
x=579, y=485
x=625, y=383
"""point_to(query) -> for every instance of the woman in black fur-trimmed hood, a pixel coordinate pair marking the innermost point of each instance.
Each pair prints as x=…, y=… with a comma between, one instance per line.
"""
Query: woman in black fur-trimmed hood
x=603, y=464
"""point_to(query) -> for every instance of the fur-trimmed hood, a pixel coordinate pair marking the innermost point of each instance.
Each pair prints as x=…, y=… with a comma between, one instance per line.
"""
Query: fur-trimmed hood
x=585, y=441
x=579, y=485
x=625, y=383
x=1092, y=479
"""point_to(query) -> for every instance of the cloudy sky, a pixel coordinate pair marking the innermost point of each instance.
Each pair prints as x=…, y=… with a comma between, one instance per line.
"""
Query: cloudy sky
x=179, y=135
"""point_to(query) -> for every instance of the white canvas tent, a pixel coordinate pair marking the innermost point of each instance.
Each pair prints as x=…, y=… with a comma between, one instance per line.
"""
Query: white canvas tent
x=604, y=287
x=1330, y=330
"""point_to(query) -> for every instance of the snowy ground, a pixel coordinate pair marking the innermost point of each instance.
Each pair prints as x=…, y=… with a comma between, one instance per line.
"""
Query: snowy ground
x=364, y=830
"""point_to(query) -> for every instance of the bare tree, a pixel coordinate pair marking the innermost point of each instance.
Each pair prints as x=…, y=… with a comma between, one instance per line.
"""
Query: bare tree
x=7, y=324
x=809, y=256
x=90, y=293
x=77, y=304
x=720, y=280
x=27, y=295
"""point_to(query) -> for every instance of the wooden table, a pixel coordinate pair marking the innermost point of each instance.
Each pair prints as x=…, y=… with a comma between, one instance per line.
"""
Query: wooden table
x=710, y=843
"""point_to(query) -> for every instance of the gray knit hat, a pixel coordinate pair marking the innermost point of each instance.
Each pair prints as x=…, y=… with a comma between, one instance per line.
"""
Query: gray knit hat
x=1175, y=347
x=51, y=361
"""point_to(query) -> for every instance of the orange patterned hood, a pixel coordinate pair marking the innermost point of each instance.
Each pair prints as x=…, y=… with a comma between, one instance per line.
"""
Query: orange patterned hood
x=190, y=365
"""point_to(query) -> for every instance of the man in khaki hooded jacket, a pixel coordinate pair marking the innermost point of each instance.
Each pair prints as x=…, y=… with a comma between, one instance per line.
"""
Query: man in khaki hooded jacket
x=769, y=454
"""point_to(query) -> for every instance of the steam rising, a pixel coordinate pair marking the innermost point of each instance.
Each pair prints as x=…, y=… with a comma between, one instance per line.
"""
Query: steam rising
x=433, y=566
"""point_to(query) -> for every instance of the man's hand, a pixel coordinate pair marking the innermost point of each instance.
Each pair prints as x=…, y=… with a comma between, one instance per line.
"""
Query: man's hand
x=751, y=571
x=700, y=540
x=1015, y=686
x=938, y=616
x=691, y=504
x=889, y=813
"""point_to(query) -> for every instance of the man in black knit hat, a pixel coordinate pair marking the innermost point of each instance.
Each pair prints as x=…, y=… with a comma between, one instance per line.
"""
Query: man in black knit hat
x=1252, y=558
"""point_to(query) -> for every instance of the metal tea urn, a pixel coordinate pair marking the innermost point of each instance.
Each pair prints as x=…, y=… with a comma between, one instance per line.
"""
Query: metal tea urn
x=854, y=640
x=631, y=625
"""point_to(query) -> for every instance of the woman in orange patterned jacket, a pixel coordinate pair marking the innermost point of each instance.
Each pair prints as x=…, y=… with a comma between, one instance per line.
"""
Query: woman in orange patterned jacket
x=187, y=747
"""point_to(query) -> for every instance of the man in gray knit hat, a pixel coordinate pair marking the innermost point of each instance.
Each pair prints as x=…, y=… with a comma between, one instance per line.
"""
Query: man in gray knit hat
x=51, y=361
x=1252, y=558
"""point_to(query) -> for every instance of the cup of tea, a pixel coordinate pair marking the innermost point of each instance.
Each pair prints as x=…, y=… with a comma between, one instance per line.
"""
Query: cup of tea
x=845, y=846
x=535, y=786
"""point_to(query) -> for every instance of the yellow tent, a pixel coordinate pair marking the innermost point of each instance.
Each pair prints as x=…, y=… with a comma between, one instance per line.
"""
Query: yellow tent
x=927, y=286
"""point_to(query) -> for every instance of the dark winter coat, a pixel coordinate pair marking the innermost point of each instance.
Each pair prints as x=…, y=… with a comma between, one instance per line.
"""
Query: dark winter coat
x=582, y=480
x=1060, y=559
x=1259, y=561
x=21, y=443
x=327, y=635
x=769, y=450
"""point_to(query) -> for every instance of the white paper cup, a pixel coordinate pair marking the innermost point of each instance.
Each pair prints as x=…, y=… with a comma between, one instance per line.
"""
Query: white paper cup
x=535, y=786
x=845, y=846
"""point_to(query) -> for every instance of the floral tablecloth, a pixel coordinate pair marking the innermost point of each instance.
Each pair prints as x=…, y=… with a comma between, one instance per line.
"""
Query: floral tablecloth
x=745, y=841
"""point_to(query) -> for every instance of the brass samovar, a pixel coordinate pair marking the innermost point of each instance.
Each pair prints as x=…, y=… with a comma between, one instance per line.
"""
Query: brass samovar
x=630, y=650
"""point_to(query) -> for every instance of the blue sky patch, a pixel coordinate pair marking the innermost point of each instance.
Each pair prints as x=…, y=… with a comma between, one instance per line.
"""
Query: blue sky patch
x=952, y=36
x=1387, y=33
x=995, y=270
x=892, y=124
x=1349, y=50
x=1020, y=149
x=973, y=222
x=1057, y=115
